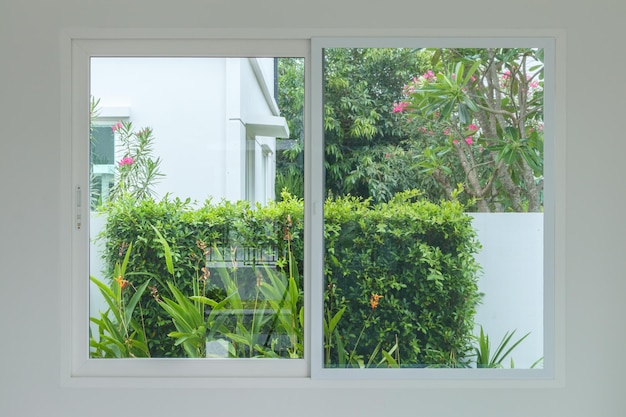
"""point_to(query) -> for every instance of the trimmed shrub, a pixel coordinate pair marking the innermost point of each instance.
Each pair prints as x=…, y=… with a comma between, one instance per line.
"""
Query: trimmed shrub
x=417, y=255
x=256, y=233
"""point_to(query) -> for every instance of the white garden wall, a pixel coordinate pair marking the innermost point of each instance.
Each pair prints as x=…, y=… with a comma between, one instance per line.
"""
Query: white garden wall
x=512, y=280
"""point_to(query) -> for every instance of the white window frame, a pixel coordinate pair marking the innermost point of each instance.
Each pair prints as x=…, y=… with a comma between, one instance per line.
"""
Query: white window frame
x=79, y=370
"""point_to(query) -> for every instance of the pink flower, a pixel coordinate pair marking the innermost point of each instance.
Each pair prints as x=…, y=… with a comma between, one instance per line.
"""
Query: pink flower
x=387, y=155
x=473, y=127
x=468, y=140
x=117, y=126
x=506, y=75
x=126, y=161
x=429, y=76
x=446, y=131
x=408, y=89
x=400, y=107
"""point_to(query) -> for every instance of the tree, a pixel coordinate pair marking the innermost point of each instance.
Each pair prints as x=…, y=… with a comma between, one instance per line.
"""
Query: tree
x=471, y=122
x=477, y=120
x=363, y=141
x=290, y=161
x=363, y=152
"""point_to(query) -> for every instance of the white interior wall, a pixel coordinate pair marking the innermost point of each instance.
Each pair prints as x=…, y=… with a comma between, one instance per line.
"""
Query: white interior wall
x=591, y=292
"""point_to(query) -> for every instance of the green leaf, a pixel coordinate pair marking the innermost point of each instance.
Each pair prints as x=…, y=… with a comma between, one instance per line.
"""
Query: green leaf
x=167, y=251
x=335, y=320
x=130, y=307
x=391, y=362
x=126, y=258
x=464, y=115
x=471, y=72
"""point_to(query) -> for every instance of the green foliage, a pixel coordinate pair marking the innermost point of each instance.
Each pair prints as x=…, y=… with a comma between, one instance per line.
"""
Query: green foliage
x=334, y=346
x=123, y=335
x=475, y=120
x=137, y=171
x=285, y=298
x=359, y=127
x=289, y=156
x=227, y=320
x=95, y=181
x=483, y=111
x=486, y=358
x=361, y=86
x=419, y=257
x=190, y=232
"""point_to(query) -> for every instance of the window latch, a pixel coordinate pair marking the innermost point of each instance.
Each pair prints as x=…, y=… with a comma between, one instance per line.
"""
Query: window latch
x=78, y=214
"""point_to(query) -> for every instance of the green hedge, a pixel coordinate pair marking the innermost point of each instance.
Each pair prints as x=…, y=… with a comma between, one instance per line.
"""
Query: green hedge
x=418, y=255
x=258, y=233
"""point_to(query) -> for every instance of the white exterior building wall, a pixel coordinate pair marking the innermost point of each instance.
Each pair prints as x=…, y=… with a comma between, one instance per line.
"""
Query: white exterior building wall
x=197, y=108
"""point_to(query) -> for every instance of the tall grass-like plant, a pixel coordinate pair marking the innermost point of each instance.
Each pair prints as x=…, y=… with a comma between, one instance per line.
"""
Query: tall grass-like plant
x=334, y=341
x=243, y=336
x=120, y=336
x=285, y=299
x=486, y=358
x=192, y=328
x=188, y=313
x=199, y=319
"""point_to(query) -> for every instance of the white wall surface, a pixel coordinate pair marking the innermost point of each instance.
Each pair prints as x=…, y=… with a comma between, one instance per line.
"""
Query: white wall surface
x=512, y=281
x=591, y=382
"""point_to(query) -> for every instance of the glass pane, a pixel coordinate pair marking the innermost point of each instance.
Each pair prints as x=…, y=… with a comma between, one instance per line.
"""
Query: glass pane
x=433, y=221
x=197, y=207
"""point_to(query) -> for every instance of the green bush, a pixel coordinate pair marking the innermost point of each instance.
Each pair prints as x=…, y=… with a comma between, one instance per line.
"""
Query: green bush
x=190, y=231
x=417, y=255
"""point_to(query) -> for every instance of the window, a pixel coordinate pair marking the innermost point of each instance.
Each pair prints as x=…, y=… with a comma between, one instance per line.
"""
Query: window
x=229, y=272
x=199, y=136
x=268, y=147
x=467, y=121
